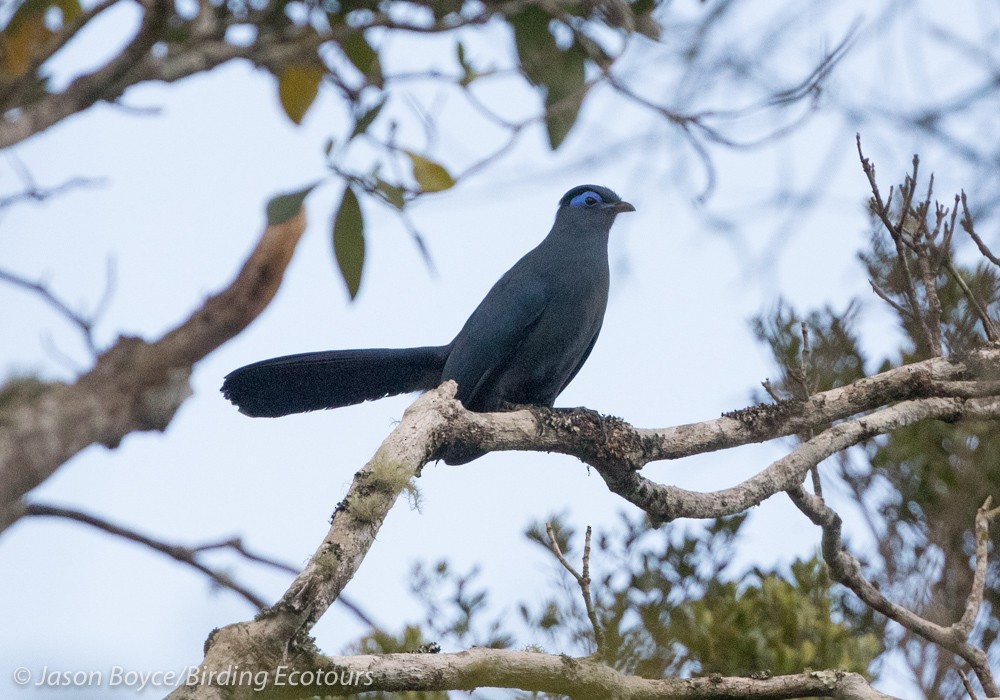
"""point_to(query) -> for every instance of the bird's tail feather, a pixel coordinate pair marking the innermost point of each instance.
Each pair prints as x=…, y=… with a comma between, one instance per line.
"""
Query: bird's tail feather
x=330, y=379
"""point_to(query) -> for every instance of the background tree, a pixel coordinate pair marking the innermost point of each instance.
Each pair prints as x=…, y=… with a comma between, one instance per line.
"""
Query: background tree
x=511, y=75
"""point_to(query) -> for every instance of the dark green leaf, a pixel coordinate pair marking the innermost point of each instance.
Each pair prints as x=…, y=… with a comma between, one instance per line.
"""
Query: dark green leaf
x=468, y=72
x=364, y=57
x=285, y=206
x=366, y=119
x=392, y=193
x=565, y=95
x=349, y=241
x=535, y=45
x=560, y=73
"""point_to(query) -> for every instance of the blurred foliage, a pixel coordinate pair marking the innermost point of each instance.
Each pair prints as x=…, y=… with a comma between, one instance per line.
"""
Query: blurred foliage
x=672, y=604
x=921, y=485
x=669, y=602
x=561, y=50
x=832, y=358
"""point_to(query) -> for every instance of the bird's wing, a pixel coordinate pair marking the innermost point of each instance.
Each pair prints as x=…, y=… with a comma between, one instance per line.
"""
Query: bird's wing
x=586, y=354
x=493, y=334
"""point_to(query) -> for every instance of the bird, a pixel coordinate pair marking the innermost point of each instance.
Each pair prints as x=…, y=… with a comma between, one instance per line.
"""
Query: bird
x=521, y=346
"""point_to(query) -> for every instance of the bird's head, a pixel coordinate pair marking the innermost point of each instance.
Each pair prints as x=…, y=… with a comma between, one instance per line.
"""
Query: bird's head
x=592, y=203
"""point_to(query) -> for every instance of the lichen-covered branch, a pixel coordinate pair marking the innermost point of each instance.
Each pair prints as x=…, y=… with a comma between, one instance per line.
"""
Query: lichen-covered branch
x=305, y=674
x=436, y=424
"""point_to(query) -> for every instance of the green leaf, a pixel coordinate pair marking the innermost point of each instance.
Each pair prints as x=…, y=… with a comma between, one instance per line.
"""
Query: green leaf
x=366, y=119
x=559, y=72
x=284, y=207
x=431, y=176
x=298, y=86
x=393, y=194
x=349, y=241
x=468, y=72
x=363, y=56
x=565, y=94
x=535, y=45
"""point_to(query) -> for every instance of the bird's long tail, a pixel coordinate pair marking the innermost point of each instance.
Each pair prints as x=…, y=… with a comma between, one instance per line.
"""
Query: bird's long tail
x=330, y=379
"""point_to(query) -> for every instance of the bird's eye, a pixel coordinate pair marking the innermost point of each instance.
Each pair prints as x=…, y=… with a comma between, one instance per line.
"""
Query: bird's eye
x=585, y=199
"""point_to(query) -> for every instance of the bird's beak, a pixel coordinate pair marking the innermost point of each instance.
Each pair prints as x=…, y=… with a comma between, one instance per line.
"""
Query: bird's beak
x=622, y=207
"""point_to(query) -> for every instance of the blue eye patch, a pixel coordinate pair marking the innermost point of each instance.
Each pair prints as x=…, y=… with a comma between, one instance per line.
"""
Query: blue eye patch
x=586, y=199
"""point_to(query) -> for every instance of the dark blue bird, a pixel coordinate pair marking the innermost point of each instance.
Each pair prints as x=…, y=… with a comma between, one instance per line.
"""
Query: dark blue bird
x=522, y=345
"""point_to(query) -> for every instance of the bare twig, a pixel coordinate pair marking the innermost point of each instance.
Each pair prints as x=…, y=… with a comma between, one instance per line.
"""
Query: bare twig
x=805, y=361
x=990, y=329
x=932, y=336
x=846, y=569
x=970, y=229
x=769, y=388
x=85, y=324
x=582, y=579
x=185, y=555
x=189, y=555
x=884, y=296
x=968, y=686
x=34, y=193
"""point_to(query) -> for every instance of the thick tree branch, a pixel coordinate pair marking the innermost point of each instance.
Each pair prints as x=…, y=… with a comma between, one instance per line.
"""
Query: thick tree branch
x=667, y=503
x=282, y=632
x=306, y=675
x=135, y=385
x=436, y=423
x=611, y=442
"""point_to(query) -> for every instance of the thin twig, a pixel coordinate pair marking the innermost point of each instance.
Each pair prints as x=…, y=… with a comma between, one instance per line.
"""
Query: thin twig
x=185, y=555
x=33, y=193
x=846, y=569
x=769, y=388
x=884, y=296
x=970, y=229
x=236, y=544
x=989, y=325
x=84, y=323
x=968, y=686
x=582, y=579
x=881, y=209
